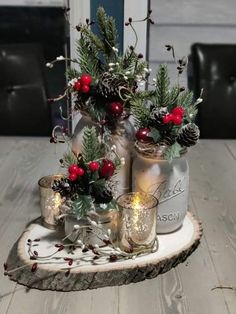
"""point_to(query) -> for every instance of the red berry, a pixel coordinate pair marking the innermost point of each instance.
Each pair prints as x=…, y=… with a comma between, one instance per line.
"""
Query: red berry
x=93, y=166
x=86, y=79
x=107, y=169
x=73, y=176
x=115, y=108
x=77, y=86
x=178, y=111
x=142, y=135
x=168, y=118
x=73, y=168
x=177, y=120
x=85, y=89
x=80, y=171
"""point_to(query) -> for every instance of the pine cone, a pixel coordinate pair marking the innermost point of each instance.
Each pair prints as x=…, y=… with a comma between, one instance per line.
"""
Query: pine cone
x=62, y=186
x=110, y=86
x=102, y=197
x=167, y=141
x=189, y=135
x=156, y=118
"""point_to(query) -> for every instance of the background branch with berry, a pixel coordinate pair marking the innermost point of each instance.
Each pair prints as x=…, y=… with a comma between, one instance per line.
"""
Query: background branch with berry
x=106, y=78
x=165, y=117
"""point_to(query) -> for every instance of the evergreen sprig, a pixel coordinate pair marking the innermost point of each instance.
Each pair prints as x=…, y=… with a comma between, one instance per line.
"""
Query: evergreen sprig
x=173, y=96
x=69, y=158
x=81, y=205
x=71, y=73
x=88, y=57
x=108, y=32
x=91, y=148
x=185, y=99
x=172, y=152
x=140, y=112
x=162, y=86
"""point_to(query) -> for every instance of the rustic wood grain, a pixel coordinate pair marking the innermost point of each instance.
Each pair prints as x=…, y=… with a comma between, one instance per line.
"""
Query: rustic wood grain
x=23, y=162
x=186, y=289
x=93, y=277
x=214, y=198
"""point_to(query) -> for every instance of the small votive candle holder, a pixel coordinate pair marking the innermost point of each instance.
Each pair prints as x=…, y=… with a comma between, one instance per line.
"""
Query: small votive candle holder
x=50, y=201
x=138, y=221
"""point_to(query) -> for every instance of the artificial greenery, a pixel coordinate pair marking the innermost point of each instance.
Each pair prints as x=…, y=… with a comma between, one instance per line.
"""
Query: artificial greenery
x=152, y=107
x=92, y=186
x=91, y=148
x=115, y=75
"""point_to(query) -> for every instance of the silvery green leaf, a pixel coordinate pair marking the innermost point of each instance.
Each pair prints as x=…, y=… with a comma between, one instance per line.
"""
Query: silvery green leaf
x=173, y=152
x=154, y=134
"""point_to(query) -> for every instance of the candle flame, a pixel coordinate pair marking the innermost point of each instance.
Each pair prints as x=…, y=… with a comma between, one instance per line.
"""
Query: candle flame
x=136, y=201
x=136, y=204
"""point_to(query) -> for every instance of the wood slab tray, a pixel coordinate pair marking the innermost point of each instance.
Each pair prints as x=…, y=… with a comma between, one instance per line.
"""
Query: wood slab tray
x=173, y=249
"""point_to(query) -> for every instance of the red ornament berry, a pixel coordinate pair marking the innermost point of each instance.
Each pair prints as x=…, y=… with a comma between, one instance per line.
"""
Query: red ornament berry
x=177, y=120
x=168, y=118
x=73, y=168
x=115, y=108
x=85, y=89
x=73, y=176
x=86, y=79
x=77, y=86
x=178, y=111
x=142, y=135
x=93, y=166
x=107, y=169
x=80, y=171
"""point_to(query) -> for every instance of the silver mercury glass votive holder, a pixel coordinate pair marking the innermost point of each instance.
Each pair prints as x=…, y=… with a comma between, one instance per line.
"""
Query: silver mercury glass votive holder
x=138, y=221
x=50, y=201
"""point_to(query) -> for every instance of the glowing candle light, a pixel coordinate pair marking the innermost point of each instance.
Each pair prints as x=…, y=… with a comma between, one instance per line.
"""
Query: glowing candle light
x=138, y=221
x=50, y=201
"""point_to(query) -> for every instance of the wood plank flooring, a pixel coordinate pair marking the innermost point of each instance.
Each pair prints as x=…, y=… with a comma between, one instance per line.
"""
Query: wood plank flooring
x=187, y=289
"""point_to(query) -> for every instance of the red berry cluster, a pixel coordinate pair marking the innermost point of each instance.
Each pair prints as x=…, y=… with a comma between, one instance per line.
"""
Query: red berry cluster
x=83, y=84
x=106, y=169
x=74, y=172
x=175, y=116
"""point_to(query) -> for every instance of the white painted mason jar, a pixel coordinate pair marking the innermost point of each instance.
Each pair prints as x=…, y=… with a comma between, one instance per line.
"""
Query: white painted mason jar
x=122, y=139
x=168, y=181
x=93, y=235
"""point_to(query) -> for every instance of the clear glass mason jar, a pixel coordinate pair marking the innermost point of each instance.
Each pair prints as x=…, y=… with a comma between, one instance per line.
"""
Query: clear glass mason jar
x=168, y=181
x=122, y=138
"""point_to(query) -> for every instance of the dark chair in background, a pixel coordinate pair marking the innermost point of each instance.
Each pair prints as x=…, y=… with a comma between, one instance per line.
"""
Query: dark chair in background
x=47, y=27
x=214, y=70
x=23, y=100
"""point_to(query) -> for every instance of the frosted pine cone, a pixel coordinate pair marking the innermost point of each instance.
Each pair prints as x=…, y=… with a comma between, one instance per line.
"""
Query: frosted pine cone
x=188, y=135
x=157, y=118
x=111, y=86
x=167, y=141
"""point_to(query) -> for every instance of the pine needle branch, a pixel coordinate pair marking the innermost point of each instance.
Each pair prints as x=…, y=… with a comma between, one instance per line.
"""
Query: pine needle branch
x=81, y=205
x=69, y=158
x=91, y=148
x=88, y=56
x=140, y=112
x=185, y=99
x=108, y=32
x=162, y=86
x=71, y=74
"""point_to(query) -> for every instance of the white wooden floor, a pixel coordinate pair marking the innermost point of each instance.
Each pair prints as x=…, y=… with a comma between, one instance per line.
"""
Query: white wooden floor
x=185, y=289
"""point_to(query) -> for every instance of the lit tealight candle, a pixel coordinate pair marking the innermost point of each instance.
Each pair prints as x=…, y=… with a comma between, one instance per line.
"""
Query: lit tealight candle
x=50, y=201
x=138, y=221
